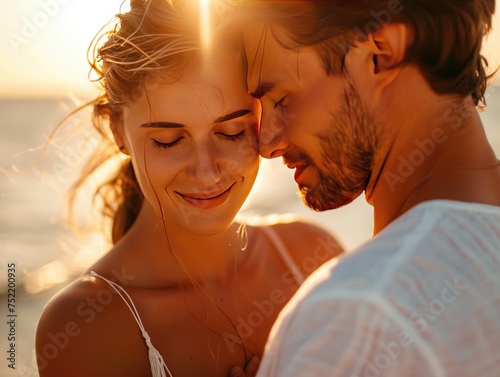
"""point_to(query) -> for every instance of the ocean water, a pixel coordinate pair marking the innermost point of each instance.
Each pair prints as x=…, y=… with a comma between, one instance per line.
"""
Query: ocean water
x=32, y=227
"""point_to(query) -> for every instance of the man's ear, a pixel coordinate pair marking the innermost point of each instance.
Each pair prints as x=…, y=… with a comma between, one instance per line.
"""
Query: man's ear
x=390, y=45
x=375, y=62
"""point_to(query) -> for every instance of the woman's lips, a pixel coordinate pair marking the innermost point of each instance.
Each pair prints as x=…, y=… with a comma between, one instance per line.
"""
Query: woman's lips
x=206, y=201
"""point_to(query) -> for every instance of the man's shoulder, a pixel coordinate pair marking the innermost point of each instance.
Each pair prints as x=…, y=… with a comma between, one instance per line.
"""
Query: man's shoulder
x=422, y=247
x=439, y=209
x=428, y=227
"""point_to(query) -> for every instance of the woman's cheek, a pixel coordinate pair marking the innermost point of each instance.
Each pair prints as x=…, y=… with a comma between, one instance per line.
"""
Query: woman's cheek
x=157, y=168
x=248, y=149
x=245, y=154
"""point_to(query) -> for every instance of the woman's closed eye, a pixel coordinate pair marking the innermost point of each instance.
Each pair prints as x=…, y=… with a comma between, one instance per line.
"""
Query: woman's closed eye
x=171, y=144
x=232, y=137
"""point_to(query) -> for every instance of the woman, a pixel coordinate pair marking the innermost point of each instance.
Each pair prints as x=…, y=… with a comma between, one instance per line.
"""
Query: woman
x=185, y=290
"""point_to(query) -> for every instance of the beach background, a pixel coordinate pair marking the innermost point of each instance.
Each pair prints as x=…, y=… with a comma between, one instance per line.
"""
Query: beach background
x=43, y=75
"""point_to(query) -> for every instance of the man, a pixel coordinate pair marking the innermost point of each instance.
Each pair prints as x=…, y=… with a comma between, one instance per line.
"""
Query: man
x=380, y=97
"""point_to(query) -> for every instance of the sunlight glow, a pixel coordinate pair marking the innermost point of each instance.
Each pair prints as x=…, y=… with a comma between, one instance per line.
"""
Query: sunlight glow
x=205, y=28
x=45, y=47
x=46, y=277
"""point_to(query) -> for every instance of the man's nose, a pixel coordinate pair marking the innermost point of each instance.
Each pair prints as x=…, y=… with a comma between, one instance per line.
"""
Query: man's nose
x=272, y=136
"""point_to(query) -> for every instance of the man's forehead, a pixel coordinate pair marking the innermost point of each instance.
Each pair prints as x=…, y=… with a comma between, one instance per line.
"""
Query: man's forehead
x=253, y=36
x=269, y=63
x=254, y=40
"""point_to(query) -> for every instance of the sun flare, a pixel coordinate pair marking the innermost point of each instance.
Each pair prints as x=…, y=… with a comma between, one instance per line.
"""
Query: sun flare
x=205, y=28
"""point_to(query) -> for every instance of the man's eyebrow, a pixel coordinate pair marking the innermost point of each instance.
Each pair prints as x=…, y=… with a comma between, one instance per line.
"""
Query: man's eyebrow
x=162, y=125
x=233, y=115
x=261, y=90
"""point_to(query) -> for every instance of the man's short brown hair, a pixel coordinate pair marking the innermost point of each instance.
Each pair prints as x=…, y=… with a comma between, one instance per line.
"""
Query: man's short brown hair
x=448, y=34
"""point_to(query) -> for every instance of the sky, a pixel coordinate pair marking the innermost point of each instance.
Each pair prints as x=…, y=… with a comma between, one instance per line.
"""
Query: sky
x=43, y=45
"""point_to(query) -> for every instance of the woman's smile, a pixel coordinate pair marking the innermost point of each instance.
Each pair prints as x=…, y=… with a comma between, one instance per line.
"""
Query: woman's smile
x=206, y=200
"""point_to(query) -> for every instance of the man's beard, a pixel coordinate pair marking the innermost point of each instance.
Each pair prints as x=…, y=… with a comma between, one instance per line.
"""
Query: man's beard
x=347, y=147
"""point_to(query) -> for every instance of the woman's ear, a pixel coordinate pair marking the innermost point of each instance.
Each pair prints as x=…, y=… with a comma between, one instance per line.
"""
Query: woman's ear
x=390, y=45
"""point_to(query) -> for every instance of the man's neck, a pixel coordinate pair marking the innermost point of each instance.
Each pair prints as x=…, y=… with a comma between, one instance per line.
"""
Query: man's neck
x=433, y=147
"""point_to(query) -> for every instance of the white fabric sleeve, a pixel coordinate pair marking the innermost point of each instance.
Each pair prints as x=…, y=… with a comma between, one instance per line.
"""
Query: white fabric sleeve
x=346, y=337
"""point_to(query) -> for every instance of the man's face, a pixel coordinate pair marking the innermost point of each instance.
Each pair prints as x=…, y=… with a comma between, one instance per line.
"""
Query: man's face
x=316, y=122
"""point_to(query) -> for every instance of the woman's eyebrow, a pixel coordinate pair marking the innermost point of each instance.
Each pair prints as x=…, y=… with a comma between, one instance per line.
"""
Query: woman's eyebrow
x=224, y=118
x=233, y=115
x=162, y=125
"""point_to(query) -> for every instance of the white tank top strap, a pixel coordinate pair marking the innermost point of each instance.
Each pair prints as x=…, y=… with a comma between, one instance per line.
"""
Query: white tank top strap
x=158, y=366
x=283, y=253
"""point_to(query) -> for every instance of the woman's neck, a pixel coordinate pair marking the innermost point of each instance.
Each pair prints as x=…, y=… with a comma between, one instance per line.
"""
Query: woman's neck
x=167, y=253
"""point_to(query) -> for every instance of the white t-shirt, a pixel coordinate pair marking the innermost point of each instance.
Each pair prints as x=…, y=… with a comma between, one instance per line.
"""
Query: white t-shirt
x=421, y=299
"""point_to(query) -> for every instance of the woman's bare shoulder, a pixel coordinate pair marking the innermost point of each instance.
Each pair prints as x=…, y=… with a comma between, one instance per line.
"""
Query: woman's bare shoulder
x=308, y=241
x=68, y=305
x=87, y=329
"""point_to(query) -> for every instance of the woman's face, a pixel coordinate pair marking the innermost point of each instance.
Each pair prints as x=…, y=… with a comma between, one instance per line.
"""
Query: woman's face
x=193, y=144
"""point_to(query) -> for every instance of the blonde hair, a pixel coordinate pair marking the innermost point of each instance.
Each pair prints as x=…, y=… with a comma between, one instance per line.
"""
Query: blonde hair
x=155, y=37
